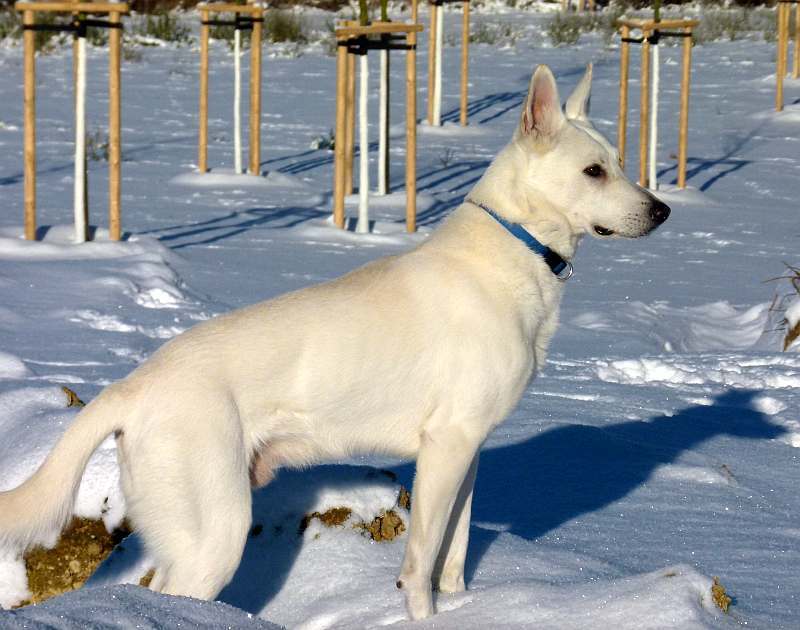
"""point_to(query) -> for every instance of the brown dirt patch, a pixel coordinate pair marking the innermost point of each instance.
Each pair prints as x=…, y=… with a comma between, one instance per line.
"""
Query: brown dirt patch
x=82, y=547
x=386, y=526
x=335, y=517
x=72, y=398
x=720, y=597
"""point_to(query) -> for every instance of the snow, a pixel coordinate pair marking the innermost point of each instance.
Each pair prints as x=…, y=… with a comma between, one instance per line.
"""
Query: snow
x=658, y=449
x=129, y=607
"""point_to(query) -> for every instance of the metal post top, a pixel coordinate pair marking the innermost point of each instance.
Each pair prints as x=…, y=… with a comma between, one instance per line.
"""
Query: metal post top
x=377, y=28
x=650, y=24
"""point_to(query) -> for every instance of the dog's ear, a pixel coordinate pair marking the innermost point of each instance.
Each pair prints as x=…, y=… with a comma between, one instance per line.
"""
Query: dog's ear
x=578, y=102
x=541, y=116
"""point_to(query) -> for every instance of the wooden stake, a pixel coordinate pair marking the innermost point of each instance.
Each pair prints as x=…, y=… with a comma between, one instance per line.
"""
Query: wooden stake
x=683, y=125
x=114, y=132
x=339, y=144
x=780, y=68
x=202, y=157
x=255, y=96
x=350, y=130
x=644, y=110
x=796, y=62
x=622, y=118
x=29, y=105
x=464, y=63
x=434, y=14
x=411, y=129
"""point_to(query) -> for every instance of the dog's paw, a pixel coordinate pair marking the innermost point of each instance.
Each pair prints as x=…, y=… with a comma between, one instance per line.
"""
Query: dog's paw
x=450, y=583
x=419, y=599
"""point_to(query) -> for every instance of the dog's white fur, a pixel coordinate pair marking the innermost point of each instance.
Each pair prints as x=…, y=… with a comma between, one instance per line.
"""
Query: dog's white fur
x=419, y=355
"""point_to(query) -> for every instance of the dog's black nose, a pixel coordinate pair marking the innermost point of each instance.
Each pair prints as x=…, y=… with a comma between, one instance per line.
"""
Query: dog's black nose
x=659, y=211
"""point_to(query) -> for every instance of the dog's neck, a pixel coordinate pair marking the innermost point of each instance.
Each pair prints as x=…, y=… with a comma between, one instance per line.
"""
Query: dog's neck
x=500, y=190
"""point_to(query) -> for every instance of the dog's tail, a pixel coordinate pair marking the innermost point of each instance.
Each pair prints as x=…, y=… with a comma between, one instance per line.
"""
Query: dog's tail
x=36, y=511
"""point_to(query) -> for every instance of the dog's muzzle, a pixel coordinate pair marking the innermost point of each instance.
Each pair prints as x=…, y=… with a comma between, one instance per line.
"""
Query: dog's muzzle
x=659, y=212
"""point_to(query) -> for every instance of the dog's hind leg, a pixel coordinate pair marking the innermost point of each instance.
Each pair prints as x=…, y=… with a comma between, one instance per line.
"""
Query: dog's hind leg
x=448, y=574
x=189, y=497
x=445, y=456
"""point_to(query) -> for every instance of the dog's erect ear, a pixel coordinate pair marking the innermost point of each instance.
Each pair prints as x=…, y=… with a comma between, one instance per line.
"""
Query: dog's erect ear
x=578, y=102
x=541, y=116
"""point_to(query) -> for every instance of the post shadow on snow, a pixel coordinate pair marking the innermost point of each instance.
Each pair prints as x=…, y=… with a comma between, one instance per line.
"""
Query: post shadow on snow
x=528, y=488
x=17, y=178
x=701, y=165
x=740, y=141
x=234, y=223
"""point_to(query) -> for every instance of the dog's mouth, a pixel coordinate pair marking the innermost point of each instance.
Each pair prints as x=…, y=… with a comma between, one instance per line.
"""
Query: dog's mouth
x=599, y=229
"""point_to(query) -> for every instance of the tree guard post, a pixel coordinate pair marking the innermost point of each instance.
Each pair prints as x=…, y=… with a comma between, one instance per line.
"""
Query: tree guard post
x=256, y=21
x=202, y=149
x=783, y=16
x=354, y=40
x=81, y=17
x=651, y=31
x=245, y=17
x=29, y=104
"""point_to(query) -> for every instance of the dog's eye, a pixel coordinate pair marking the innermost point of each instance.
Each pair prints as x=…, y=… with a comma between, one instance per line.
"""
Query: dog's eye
x=595, y=171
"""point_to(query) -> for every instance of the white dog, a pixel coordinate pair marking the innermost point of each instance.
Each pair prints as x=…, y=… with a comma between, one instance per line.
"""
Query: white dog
x=419, y=355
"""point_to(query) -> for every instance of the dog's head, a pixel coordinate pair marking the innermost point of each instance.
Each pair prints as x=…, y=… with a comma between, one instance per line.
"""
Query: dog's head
x=572, y=170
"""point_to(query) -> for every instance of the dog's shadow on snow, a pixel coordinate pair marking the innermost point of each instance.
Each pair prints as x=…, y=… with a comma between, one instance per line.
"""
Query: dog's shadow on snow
x=535, y=486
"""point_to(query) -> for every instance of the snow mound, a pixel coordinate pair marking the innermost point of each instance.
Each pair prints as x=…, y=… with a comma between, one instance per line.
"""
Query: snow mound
x=12, y=366
x=451, y=129
x=713, y=327
x=128, y=606
x=768, y=372
x=226, y=178
x=57, y=242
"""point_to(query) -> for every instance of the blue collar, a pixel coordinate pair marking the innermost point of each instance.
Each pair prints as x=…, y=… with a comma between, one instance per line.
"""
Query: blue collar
x=560, y=267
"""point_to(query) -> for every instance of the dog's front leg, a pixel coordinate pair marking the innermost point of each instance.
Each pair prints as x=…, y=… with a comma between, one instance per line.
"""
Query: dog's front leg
x=445, y=456
x=448, y=574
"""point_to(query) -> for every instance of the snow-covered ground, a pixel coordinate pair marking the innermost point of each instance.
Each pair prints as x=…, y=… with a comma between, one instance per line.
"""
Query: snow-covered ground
x=659, y=447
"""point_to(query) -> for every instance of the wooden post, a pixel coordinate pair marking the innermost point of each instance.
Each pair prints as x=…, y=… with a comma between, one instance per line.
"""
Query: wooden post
x=464, y=63
x=780, y=69
x=622, y=118
x=114, y=133
x=255, y=95
x=644, y=107
x=796, y=62
x=683, y=126
x=350, y=130
x=29, y=104
x=341, y=124
x=434, y=14
x=202, y=158
x=411, y=128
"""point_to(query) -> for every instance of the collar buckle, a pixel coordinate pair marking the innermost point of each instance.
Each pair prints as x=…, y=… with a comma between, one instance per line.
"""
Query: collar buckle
x=566, y=273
